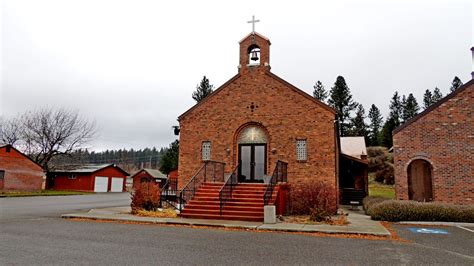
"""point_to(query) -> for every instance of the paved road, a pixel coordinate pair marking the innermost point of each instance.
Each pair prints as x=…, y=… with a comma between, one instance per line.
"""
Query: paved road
x=40, y=237
x=53, y=206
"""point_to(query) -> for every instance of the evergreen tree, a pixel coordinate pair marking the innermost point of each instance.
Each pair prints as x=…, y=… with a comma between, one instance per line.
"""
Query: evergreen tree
x=410, y=108
x=319, y=92
x=203, y=89
x=427, y=99
x=396, y=109
x=375, y=125
x=437, y=95
x=169, y=161
x=341, y=100
x=358, y=125
x=455, y=84
x=386, y=134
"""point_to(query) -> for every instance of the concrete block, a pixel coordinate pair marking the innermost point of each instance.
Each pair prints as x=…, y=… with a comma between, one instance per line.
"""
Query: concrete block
x=269, y=214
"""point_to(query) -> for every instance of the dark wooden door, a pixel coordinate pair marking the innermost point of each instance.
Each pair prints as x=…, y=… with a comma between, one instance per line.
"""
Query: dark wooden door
x=420, y=186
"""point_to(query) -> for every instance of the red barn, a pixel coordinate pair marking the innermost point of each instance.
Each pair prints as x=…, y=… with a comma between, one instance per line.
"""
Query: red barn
x=148, y=175
x=91, y=177
x=18, y=171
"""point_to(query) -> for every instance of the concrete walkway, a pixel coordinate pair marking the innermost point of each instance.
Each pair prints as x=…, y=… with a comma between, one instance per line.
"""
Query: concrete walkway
x=359, y=223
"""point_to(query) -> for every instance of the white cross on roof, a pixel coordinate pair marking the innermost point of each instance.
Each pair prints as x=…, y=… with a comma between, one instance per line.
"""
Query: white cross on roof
x=253, y=21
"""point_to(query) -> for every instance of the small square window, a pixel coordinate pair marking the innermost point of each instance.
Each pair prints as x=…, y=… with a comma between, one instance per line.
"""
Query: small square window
x=2, y=174
x=72, y=176
x=206, y=150
x=301, y=151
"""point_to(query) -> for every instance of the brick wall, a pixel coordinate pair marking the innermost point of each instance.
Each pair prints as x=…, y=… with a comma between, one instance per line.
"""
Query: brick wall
x=283, y=111
x=444, y=137
x=20, y=172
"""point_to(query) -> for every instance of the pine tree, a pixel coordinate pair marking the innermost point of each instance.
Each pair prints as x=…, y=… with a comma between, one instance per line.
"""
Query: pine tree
x=341, y=100
x=410, y=108
x=455, y=84
x=169, y=160
x=427, y=99
x=386, y=134
x=358, y=126
x=203, y=89
x=319, y=92
x=396, y=109
x=437, y=95
x=375, y=125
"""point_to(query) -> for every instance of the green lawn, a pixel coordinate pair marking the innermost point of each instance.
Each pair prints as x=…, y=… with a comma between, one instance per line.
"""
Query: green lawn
x=41, y=193
x=381, y=190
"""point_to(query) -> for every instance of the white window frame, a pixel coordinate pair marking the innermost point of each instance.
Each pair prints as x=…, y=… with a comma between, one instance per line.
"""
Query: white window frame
x=206, y=149
x=72, y=176
x=301, y=146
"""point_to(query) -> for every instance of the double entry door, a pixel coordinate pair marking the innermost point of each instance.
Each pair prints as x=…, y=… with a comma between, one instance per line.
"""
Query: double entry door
x=253, y=162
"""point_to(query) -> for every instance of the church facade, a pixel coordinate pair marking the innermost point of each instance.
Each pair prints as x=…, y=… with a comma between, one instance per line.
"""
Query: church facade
x=256, y=119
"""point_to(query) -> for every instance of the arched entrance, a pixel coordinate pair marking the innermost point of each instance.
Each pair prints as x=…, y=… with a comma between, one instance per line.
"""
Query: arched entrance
x=252, y=146
x=419, y=181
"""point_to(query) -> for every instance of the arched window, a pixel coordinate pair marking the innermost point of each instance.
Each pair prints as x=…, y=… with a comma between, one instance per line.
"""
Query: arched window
x=252, y=134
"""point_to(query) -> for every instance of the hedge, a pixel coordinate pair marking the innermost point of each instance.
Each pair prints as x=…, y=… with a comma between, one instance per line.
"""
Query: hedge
x=397, y=210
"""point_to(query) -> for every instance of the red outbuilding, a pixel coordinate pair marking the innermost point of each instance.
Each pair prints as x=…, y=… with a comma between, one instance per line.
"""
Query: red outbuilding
x=18, y=171
x=90, y=177
x=148, y=175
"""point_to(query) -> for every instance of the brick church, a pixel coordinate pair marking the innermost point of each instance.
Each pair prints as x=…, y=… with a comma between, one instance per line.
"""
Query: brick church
x=434, y=151
x=249, y=127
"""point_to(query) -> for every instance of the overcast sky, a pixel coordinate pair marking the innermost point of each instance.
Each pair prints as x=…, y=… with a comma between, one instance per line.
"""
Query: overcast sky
x=132, y=65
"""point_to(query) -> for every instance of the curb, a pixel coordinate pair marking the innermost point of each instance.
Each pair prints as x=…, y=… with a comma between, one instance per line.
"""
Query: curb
x=261, y=227
x=436, y=223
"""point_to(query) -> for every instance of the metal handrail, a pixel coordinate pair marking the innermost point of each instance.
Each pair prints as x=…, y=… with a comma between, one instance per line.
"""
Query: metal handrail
x=201, y=176
x=279, y=175
x=169, y=192
x=225, y=193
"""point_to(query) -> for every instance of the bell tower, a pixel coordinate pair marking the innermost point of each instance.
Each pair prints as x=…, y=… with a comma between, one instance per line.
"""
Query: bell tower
x=254, y=51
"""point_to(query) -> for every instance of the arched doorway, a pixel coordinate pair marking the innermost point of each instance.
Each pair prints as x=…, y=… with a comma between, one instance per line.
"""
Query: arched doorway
x=419, y=181
x=252, y=146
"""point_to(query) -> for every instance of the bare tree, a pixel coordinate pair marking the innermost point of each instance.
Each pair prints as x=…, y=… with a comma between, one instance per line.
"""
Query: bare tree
x=46, y=133
x=10, y=131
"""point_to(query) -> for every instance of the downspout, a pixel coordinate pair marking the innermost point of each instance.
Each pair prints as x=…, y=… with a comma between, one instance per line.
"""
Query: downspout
x=337, y=153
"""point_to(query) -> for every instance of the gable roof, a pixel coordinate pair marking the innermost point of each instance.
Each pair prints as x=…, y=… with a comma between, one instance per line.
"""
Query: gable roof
x=86, y=168
x=24, y=155
x=209, y=96
x=353, y=146
x=277, y=78
x=433, y=106
x=256, y=33
x=155, y=173
x=302, y=93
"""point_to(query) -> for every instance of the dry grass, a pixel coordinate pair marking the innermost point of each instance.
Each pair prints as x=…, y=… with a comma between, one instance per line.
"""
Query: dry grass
x=305, y=219
x=163, y=213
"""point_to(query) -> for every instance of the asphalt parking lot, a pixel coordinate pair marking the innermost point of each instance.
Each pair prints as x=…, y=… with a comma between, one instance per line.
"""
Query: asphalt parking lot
x=446, y=239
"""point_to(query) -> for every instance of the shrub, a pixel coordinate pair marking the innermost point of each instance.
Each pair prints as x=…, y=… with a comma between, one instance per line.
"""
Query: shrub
x=381, y=164
x=313, y=198
x=146, y=197
x=397, y=210
x=368, y=202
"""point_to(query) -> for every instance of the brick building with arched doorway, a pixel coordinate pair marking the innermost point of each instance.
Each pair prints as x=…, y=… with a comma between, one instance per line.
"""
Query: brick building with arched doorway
x=434, y=151
x=252, y=122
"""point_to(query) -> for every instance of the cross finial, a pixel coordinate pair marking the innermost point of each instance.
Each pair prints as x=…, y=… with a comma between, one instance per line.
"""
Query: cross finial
x=253, y=21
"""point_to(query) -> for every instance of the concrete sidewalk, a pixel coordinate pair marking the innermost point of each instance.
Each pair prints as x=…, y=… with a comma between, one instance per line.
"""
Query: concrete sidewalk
x=359, y=223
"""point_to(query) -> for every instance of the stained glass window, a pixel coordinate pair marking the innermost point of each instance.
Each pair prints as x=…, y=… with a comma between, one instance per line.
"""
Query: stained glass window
x=206, y=150
x=301, y=151
x=252, y=134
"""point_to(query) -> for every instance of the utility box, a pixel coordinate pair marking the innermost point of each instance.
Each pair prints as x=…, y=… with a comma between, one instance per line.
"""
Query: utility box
x=269, y=214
